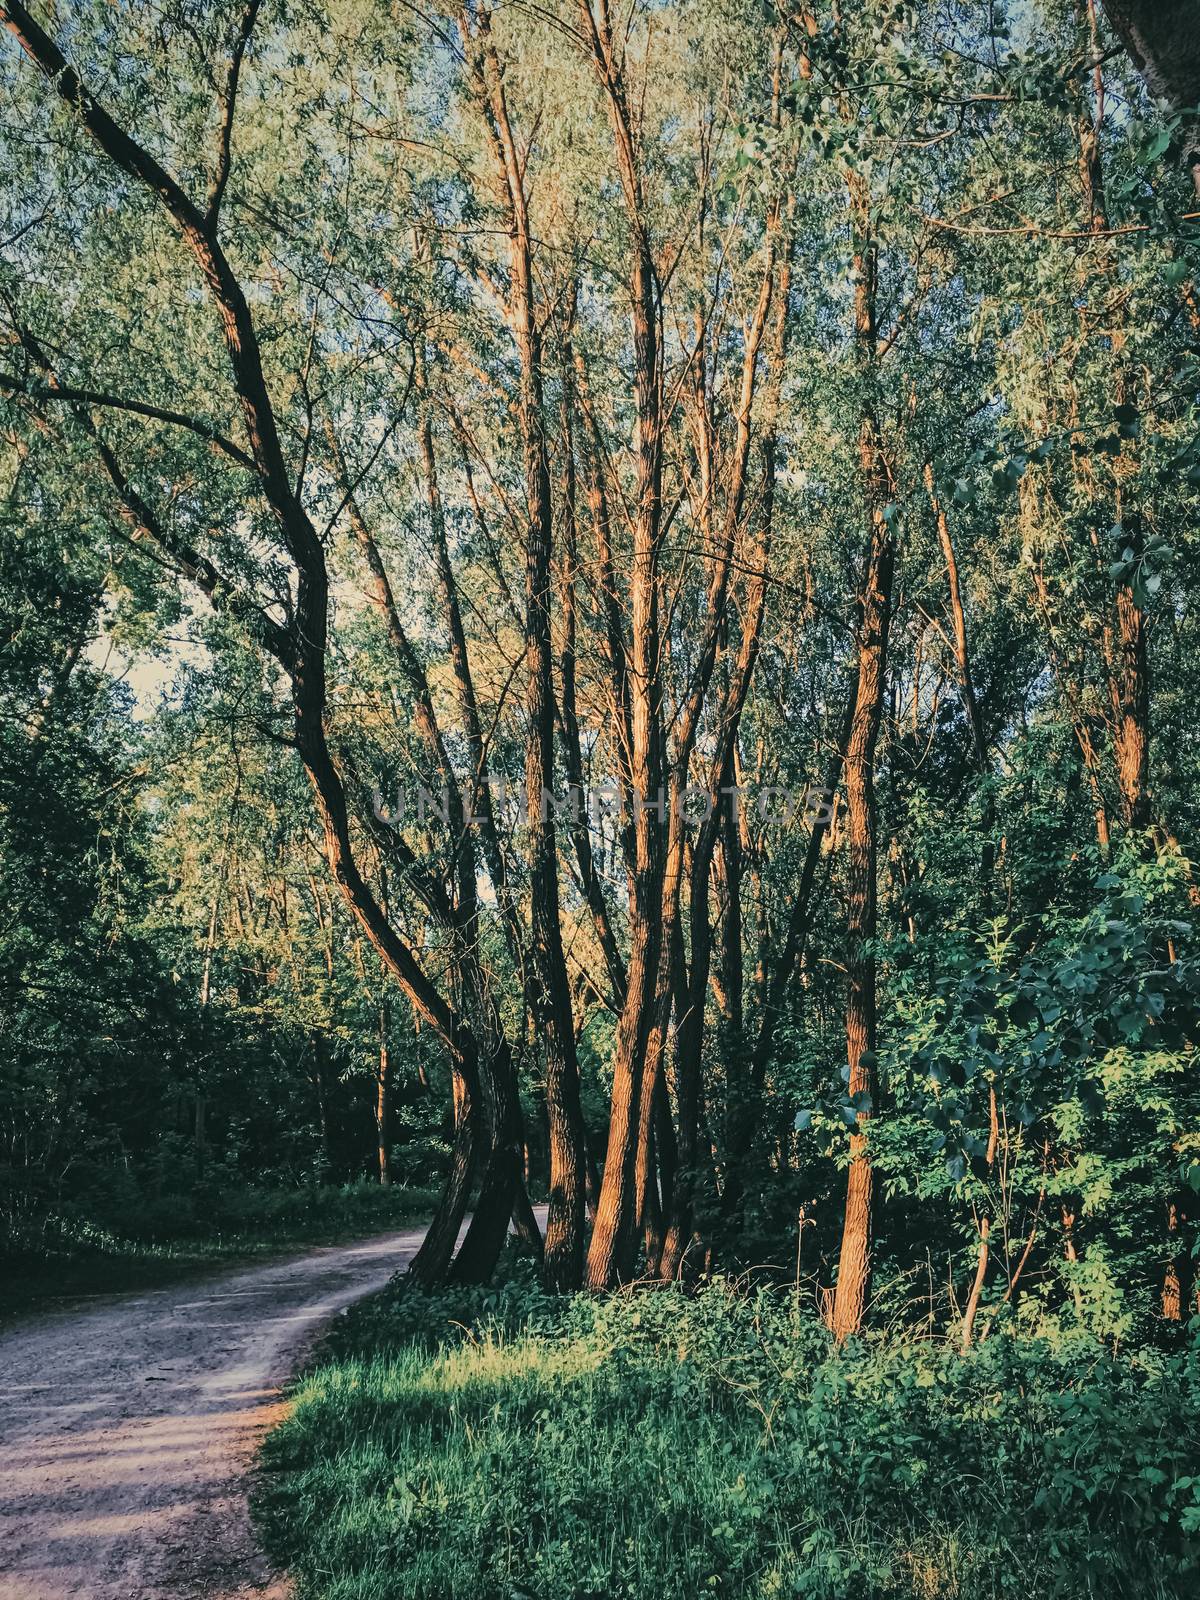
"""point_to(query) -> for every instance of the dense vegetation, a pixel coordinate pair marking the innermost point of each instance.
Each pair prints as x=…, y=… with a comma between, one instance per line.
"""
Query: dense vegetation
x=604, y=605
x=666, y=1446
x=175, y=1074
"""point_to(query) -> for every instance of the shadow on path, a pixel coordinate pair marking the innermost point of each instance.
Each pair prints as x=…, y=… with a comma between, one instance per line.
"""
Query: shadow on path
x=128, y=1431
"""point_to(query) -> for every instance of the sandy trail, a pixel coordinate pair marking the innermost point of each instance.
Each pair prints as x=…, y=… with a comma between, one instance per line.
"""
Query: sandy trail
x=128, y=1430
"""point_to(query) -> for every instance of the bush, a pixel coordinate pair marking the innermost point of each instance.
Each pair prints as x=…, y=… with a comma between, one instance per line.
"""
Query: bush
x=220, y=1216
x=654, y=1446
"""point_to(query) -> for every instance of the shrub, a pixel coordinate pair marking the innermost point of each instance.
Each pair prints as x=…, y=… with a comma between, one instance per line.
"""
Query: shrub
x=655, y=1446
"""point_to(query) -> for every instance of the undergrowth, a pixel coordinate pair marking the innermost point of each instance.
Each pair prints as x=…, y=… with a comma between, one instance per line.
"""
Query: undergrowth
x=498, y=1445
x=66, y=1251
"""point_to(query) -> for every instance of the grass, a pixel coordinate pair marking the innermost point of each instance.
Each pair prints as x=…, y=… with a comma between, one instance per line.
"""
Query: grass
x=659, y=1447
x=68, y=1257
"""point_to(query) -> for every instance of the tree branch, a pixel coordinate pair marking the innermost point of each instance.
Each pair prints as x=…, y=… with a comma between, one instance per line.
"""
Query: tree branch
x=181, y=557
x=216, y=190
x=241, y=340
x=93, y=397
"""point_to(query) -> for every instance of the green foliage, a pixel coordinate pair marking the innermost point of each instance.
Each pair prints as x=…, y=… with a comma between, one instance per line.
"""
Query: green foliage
x=656, y=1445
x=1048, y=1075
x=103, y=1243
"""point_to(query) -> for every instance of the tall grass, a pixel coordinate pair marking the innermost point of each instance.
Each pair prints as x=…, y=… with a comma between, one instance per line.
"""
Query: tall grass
x=660, y=1447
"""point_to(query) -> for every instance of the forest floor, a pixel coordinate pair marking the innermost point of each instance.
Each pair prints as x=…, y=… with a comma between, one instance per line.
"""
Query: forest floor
x=128, y=1429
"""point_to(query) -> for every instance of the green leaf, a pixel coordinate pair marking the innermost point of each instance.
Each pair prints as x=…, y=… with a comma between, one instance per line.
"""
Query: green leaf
x=1155, y=147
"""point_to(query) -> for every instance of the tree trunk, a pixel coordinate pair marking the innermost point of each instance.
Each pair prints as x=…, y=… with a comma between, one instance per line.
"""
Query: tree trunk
x=747, y=1111
x=983, y=1253
x=854, y=1258
x=431, y=1262
x=1163, y=40
x=550, y=991
x=1131, y=707
x=382, y=1097
x=610, y=1255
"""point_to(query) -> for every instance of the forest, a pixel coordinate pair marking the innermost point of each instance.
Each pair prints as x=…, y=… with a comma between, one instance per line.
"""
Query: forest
x=599, y=609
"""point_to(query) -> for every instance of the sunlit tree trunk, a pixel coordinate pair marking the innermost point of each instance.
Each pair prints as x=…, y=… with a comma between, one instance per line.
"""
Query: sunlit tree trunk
x=550, y=990
x=854, y=1257
x=1130, y=690
x=611, y=1253
x=746, y=529
x=1125, y=647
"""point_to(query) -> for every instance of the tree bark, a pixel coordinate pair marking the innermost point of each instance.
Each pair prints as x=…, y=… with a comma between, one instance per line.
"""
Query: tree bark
x=383, y=1084
x=1163, y=41
x=1130, y=692
x=854, y=1259
x=611, y=1252
x=550, y=992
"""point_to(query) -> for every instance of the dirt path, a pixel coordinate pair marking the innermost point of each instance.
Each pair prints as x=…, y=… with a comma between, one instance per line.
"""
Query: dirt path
x=128, y=1429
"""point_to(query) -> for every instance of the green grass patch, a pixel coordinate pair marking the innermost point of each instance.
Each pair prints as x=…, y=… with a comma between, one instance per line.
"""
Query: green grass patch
x=655, y=1446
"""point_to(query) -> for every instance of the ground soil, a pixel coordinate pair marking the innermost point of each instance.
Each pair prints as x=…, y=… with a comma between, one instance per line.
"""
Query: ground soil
x=129, y=1428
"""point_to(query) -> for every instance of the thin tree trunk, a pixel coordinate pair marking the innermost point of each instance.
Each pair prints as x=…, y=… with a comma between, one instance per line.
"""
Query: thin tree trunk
x=983, y=1254
x=1131, y=706
x=610, y=1255
x=773, y=291
x=581, y=837
x=1126, y=661
x=551, y=993
x=854, y=1258
x=1177, y=1274
x=800, y=920
x=383, y=1084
